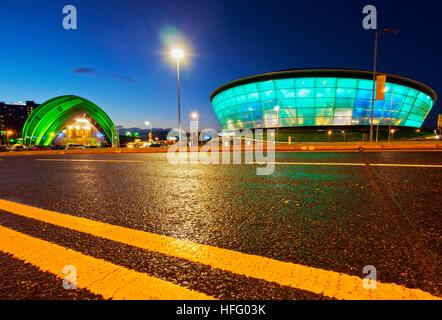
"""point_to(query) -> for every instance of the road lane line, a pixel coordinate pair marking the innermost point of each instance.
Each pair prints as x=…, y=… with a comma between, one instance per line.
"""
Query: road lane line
x=364, y=150
x=96, y=275
x=329, y=283
x=86, y=160
x=352, y=164
x=312, y=163
x=405, y=165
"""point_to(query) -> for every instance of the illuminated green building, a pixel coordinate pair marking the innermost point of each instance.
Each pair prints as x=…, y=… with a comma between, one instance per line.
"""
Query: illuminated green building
x=319, y=97
x=47, y=122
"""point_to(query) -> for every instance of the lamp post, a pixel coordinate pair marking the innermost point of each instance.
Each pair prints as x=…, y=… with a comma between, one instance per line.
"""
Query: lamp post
x=277, y=123
x=377, y=131
x=391, y=115
x=374, y=74
x=8, y=133
x=194, y=115
x=329, y=135
x=178, y=54
x=147, y=123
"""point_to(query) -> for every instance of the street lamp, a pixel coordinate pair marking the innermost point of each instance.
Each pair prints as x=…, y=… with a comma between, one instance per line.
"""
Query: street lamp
x=277, y=123
x=194, y=115
x=391, y=113
x=178, y=54
x=374, y=74
x=329, y=135
x=147, y=123
x=8, y=133
x=376, y=122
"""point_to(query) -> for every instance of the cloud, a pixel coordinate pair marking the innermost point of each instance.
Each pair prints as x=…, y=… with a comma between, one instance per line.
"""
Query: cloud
x=101, y=74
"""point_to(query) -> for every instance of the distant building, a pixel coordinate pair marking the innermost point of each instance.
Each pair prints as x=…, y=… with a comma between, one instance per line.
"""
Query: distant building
x=439, y=122
x=13, y=116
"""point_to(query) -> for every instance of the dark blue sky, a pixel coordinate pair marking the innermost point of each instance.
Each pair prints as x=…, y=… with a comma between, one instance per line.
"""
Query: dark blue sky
x=135, y=81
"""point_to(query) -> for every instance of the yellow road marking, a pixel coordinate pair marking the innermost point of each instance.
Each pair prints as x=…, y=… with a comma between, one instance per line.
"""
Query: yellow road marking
x=96, y=275
x=352, y=164
x=329, y=283
x=312, y=163
x=405, y=165
x=87, y=160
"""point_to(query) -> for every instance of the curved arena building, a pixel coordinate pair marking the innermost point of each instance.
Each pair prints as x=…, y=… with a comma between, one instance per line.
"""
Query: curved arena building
x=319, y=97
x=45, y=123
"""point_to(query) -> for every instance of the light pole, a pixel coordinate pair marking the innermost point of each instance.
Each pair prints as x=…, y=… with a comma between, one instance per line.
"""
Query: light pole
x=178, y=54
x=391, y=114
x=377, y=131
x=277, y=123
x=8, y=133
x=147, y=123
x=329, y=135
x=194, y=115
x=374, y=74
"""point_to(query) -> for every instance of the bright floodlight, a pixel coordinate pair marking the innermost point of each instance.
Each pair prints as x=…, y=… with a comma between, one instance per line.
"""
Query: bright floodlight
x=194, y=115
x=177, y=53
x=147, y=123
x=276, y=108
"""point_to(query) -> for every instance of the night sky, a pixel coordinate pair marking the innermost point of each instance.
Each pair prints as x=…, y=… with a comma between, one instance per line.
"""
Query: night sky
x=119, y=56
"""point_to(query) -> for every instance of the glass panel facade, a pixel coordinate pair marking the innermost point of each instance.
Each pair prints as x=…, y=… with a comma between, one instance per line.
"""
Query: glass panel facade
x=318, y=101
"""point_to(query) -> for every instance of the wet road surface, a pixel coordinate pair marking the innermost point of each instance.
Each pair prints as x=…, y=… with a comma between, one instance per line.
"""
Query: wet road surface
x=337, y=218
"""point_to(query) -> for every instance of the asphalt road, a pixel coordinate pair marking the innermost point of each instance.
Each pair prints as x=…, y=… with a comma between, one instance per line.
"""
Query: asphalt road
x=329, y=217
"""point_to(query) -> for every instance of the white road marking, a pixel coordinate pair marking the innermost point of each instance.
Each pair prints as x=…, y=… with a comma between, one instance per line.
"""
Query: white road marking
x=87, y=160
x=352, y=164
